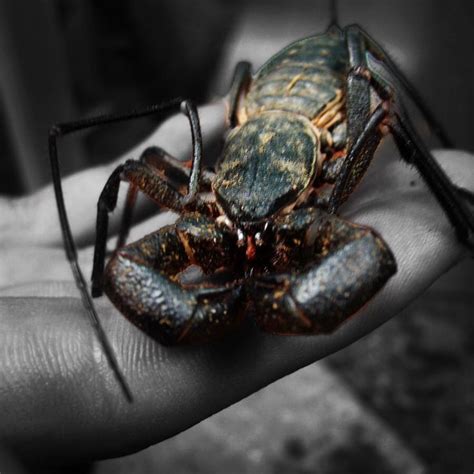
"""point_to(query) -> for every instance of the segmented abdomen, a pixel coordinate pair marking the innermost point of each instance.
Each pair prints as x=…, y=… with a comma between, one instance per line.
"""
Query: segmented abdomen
x=303, y=78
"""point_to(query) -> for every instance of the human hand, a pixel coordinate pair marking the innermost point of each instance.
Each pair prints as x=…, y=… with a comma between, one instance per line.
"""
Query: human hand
x=59, y=399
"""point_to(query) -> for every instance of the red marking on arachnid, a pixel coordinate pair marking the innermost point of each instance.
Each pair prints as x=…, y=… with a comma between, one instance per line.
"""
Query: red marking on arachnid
x=188, y=164
x=251, y=248
x=338, y=154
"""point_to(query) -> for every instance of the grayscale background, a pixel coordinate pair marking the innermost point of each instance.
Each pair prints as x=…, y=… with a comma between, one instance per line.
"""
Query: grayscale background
x=398, y=401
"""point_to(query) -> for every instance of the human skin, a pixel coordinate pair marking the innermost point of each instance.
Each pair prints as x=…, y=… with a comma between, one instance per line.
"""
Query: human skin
x=60, y=402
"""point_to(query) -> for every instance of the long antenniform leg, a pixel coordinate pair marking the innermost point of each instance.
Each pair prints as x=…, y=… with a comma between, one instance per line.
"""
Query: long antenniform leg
x=143, y=177
x=69, y=244
x=365, y=135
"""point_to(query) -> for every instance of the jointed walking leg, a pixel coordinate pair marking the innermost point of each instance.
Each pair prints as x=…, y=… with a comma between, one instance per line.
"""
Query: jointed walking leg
x=452, y=199
x=240, y=82
x=395, y=72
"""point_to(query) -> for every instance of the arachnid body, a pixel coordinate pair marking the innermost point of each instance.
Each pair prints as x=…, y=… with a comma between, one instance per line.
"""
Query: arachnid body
x=303, y=131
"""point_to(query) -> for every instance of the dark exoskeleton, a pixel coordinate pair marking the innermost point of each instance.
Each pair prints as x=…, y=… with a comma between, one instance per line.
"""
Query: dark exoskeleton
x=303, y=131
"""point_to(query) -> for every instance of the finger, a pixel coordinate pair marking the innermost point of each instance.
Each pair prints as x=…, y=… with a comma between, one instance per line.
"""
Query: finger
x=54, y=374
x=26, y=264
x=391, y=183
x=41, y=289
x=33, y=219
x=389, y=176
x=23, y=265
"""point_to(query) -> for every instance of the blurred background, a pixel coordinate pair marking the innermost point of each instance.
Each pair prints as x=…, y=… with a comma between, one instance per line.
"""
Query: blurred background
x=399, y=401
x=67, y=59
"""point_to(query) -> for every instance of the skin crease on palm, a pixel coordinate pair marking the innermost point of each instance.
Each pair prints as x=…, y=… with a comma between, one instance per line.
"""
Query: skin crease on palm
x=58, y=397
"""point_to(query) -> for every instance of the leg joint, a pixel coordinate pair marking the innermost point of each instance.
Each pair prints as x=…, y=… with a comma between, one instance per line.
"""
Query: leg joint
x=360, y=71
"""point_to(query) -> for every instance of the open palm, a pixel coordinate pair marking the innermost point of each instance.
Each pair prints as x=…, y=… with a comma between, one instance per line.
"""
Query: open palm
x=59, y=399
